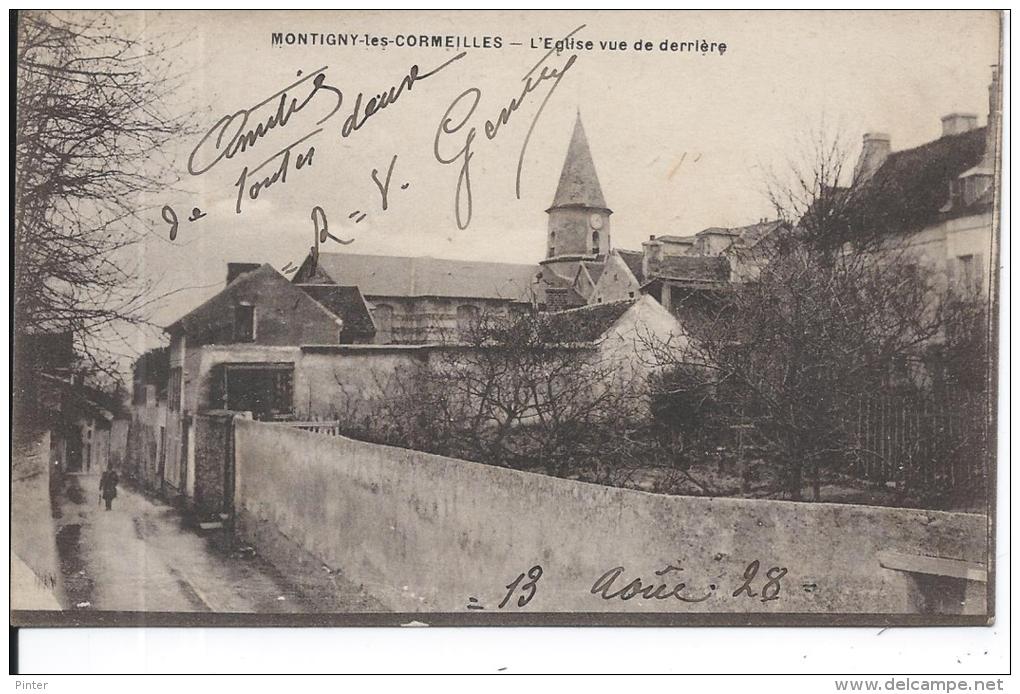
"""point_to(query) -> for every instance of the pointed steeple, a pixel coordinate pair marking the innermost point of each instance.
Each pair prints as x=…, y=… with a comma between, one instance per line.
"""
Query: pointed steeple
x=579, y=184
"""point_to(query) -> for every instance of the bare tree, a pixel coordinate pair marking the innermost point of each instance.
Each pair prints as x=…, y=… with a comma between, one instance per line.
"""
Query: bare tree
x=91, y=122
x=517, y=392
x=837, y=313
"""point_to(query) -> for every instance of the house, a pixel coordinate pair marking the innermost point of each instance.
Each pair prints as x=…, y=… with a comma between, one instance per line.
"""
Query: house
x=626, y=338
x=52, y=396
x=935, y=204
x=145, y=459
x=236, y=351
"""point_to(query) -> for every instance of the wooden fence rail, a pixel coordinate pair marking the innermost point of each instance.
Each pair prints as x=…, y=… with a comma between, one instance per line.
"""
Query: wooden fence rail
x=328, y=427
x=920, y=442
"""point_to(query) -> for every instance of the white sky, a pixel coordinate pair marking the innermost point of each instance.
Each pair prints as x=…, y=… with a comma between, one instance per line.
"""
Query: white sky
x=728, y=118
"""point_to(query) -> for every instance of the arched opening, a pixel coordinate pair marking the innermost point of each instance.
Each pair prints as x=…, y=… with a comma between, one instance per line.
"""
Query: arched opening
x=595, y=242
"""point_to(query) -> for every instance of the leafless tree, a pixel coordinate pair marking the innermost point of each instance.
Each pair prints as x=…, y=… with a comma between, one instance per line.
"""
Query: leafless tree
x=837, y=313
x=91, y=122
x=515, y=391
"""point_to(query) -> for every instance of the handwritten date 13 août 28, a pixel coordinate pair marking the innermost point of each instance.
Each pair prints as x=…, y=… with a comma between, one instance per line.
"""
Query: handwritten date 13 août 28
x=613, y=585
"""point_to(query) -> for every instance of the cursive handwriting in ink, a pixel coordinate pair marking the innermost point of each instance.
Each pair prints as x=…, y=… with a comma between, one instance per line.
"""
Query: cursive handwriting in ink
x=244, y=130
x=232, y=135
x=669, y=567
x=449, y=125
x=280, y=175
x=545, y=74
x=605, y=583
x=770, y=591
x=322, y=229
x=321, y=235
x=462, y=108
x=384, y=188
x=169, y=216
x=357, y=118
x=528, y=588
x=320, y=222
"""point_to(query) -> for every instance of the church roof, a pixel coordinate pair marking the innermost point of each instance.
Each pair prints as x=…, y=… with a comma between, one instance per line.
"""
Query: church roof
x=594, y=269
x=634, y=261
x=384, y=275
x=579, y=184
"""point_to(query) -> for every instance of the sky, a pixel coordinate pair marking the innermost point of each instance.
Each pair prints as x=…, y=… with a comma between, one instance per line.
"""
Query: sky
x=681, y=141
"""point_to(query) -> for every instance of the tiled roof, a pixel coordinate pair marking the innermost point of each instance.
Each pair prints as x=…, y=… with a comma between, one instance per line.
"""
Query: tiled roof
x=748, y=236
x=672, y=238
x=556, y=292
x=210, y=313
x=594, y=270
x=383, y=275
x=912, y=185
x=346, y=303
x=634, y=260
x=584, y=324
x=579, y=184
x=697, y=268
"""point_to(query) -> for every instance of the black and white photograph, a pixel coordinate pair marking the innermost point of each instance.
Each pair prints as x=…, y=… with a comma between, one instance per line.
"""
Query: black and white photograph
x=510, y=318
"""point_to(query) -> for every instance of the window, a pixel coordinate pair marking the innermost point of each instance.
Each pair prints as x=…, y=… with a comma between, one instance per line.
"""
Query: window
x=244, y=323
x=595, y=242
x=467, y=319
x=552, y=251
x=265, y=390
x=173, y=396
x=383, y=316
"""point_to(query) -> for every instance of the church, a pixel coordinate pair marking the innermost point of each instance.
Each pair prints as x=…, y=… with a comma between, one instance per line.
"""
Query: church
x=416, y=300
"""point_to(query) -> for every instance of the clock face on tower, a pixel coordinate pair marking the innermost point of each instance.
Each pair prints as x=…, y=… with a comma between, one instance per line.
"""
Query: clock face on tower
x=595, y=221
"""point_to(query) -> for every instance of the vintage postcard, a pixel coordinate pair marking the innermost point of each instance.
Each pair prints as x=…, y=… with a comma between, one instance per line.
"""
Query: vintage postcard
x=505, y=318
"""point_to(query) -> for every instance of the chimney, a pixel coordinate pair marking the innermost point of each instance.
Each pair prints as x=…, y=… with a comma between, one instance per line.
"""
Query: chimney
x=956, y=123
x=651, y=255
x=874, y=152
x=235, y=270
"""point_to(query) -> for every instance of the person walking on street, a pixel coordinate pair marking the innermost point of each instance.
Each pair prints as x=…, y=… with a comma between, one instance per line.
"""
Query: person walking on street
x=108, y=486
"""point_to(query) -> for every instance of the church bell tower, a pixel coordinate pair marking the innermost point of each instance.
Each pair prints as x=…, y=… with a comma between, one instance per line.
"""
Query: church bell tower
x=578, y=218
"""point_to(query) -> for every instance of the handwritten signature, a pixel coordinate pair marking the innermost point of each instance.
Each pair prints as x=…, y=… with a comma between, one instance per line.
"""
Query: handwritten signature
x=461, y=110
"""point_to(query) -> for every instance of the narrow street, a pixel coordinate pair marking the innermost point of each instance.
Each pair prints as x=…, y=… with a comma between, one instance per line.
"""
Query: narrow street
x=140, y=557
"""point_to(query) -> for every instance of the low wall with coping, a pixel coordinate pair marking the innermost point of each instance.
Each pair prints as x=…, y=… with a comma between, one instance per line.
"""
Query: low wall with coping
x=422, y=532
